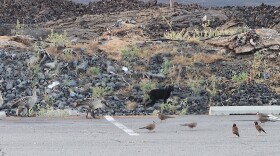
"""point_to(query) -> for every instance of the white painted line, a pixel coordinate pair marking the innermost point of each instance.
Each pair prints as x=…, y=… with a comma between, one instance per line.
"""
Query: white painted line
x=227, y=110
x=120, y=126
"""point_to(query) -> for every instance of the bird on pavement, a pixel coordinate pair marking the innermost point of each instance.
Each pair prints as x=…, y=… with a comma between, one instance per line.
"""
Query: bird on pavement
x=91, y=104
x=150, y=127
x=190, y=125
x=259, y=128
x=266, y=117
x=163, y=117
x=26, y=102
x=235, y=130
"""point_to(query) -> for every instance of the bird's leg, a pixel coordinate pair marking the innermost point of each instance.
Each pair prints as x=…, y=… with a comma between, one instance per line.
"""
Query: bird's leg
x=17, y=112
x=87, y=114
x=93, y=115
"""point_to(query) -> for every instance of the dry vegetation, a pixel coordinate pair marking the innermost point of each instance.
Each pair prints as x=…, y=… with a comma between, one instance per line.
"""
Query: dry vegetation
x=200, y=57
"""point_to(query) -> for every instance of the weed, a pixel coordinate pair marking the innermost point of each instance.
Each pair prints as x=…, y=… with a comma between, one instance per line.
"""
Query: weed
x=94, y=71
x=49, y=101
x=100, y=91
x=256, y=64
x=68, y=54
x=50, y=112
x=241, y=77
x=181, y=35
x=130, y=52
x=170, y=107
x=57, y=39
x=212, y=83
x=19, y=27
x=184, y=111
x=146, y=86
x=195, y=85
x=165, y=67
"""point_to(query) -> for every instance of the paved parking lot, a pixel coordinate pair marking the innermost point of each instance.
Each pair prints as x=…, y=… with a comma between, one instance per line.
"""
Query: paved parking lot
x=84, y=137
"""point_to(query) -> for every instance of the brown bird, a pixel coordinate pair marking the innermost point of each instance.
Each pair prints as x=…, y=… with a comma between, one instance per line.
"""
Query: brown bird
x=259, y=128
x=191, y=125
x=91, y=104
x=27, y=101
x=235, y=130
x=150, y=127
x=264, y=117
x=163, y=117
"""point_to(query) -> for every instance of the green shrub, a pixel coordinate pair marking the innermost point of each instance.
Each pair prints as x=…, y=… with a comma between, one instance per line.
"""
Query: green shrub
x=146, y=86
x=94, y=71
x=100, y=91
x=57, y=39
x=241, y=77
x=165, y=67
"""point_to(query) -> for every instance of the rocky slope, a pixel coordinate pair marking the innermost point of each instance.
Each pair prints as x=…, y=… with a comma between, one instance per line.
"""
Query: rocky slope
x=119, y=52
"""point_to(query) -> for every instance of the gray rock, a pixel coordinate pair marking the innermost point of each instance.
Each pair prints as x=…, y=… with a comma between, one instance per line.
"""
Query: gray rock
x=72, y=94
x=22, y=85
x=62, y=105
x=72, y=83
x=82, y=67
x=9, y=86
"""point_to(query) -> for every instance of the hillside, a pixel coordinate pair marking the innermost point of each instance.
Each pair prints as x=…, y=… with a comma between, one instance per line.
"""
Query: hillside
x=120, y=50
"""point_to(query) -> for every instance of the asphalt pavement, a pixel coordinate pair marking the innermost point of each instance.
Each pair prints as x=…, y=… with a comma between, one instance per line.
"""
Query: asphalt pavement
x=102, y=137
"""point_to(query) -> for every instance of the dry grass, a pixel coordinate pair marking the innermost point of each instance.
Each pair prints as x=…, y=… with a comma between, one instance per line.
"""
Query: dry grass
x=91, y=48
x=131, y=105
x=208, y=58
x=156, y=49
x=113, y=48
x=54, y=51
x=200, y=57
x=276, y=89
x=140, y=68
x=182, y=60
x=124, y=91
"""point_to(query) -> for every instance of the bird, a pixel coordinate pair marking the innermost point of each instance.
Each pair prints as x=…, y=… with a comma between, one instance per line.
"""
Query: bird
x=110, y=68
x=1, y=99
x=235, y=130
x=191, y=125
x=266, y=117
x=91, y=104
x=259, y=128
x=27, y=102
x=150, y=127
x=163, y=117
x=21, y=111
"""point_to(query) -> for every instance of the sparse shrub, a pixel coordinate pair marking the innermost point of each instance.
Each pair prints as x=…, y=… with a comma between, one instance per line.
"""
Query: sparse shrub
x=49, y=112
x=68, y=54
x=57, y=39
x=195, y=85
x=170, y=107
x=241, y=77
x=146, y=86
x=184, y=111
x=130, y=52
x=181, y=35
x=165, y=67
x=100, y=91
x=94, y=71
x=19, y=27
x=257, y=63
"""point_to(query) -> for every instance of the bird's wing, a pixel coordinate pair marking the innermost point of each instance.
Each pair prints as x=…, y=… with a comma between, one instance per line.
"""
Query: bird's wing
x=20, y=102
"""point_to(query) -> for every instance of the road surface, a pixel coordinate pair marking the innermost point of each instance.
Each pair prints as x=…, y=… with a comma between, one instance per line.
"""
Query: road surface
x=85, y=137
